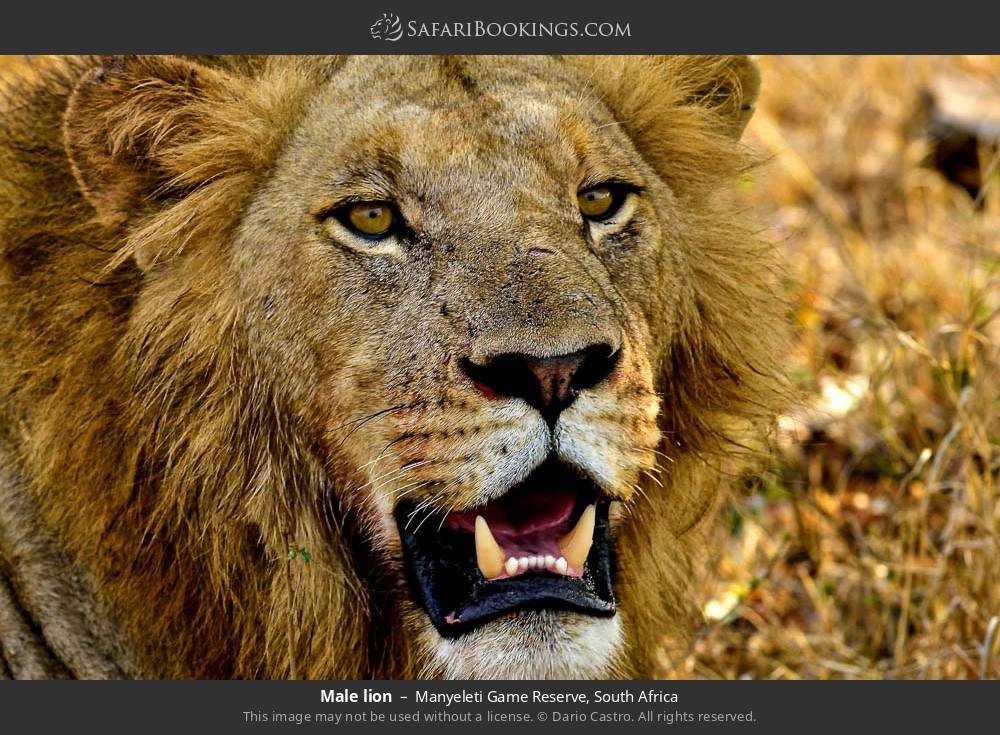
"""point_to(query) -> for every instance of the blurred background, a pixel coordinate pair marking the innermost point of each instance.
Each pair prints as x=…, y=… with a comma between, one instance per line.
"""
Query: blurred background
x=866, y=543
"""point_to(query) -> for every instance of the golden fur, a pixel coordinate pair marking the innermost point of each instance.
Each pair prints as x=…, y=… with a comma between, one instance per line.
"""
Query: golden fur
x=194, y=380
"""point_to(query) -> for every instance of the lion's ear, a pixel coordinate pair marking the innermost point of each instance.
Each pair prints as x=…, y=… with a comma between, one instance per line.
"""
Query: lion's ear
x=726, y=85
x=130, y=127
x=642, y=90
x=685, y=114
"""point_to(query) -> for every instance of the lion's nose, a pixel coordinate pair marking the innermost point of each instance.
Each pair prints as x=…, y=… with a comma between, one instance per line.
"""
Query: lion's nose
x=549, y=384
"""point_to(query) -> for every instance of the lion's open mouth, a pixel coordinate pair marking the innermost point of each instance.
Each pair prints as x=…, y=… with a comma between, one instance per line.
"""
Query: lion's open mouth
x=544, y=544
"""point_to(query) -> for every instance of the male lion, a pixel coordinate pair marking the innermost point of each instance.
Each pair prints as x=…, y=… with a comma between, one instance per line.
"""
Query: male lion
x=371, y=367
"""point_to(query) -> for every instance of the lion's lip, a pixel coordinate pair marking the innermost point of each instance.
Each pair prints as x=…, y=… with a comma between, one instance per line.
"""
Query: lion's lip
x=441, y=558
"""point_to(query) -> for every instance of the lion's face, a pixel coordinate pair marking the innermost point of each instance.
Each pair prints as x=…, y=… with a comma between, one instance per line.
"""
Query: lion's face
x=488, y=352
x=470, y=328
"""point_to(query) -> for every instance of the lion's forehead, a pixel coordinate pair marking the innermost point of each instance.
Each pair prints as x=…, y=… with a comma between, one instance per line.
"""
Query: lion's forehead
x=510, y=139
x=503, y=134
x=497, y=148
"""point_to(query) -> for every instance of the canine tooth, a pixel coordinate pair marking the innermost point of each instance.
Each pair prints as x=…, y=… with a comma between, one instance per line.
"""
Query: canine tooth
x=561, y=565
x=489, y=555
x=550, y=561
x=576, y=544
x=511, y=566
x=522, y=563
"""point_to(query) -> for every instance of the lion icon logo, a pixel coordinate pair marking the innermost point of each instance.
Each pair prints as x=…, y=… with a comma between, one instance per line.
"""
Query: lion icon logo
x=387, y=28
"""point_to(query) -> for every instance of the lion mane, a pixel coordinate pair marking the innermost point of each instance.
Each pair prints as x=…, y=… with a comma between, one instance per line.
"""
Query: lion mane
x=156, y=486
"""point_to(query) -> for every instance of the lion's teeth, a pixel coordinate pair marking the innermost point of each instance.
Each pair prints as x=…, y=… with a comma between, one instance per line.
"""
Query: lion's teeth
x=489, y=555
x=576, y=544
x=515, y=565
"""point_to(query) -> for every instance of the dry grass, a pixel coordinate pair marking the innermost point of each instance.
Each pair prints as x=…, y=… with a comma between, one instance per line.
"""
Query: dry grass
x=869, y=545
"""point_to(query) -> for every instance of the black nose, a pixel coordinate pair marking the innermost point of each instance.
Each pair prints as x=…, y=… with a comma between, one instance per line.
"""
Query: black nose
x=550, y=384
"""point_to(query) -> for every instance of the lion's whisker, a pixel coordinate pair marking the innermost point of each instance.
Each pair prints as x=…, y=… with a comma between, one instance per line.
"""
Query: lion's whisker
x=430, y=512
x=423, y=504
x=395, y=473
x=452, y=507
x=358, y=423
x=397, y=493
x=652, y=477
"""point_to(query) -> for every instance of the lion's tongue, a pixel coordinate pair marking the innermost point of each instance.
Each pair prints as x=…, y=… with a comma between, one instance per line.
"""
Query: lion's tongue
x=526, y=514
x=527, y=530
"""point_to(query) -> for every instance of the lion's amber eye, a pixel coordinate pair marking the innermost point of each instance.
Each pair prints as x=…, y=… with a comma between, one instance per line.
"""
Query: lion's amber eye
x=371, y=219
x=600, y=202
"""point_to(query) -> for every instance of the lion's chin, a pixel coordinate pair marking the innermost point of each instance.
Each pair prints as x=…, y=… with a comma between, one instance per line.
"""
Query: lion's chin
x=528, y=644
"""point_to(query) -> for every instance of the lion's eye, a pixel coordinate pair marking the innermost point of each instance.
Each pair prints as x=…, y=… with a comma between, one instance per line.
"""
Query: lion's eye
x=373, y=220
x=601, y=202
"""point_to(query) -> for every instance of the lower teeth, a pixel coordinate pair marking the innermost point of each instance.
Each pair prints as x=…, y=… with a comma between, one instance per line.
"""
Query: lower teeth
x=515, y=565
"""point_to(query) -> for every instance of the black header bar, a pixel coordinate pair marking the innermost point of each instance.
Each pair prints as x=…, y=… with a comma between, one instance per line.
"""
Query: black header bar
x=513, y=26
